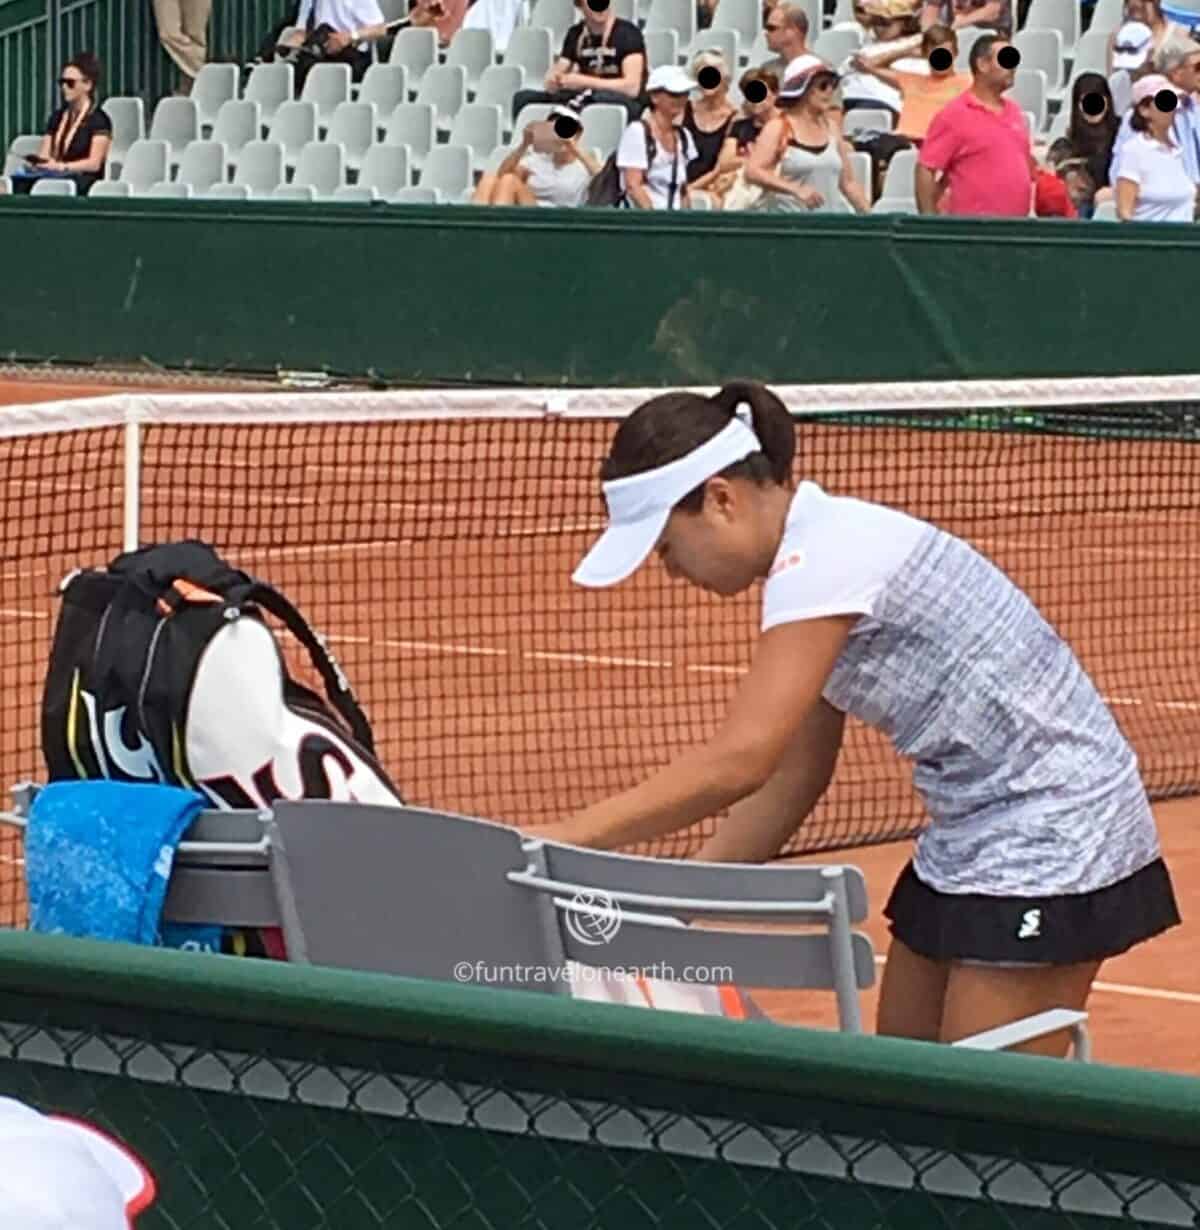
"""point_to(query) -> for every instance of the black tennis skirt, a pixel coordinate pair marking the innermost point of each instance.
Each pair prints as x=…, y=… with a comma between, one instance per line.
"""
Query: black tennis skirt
x=1062, y=930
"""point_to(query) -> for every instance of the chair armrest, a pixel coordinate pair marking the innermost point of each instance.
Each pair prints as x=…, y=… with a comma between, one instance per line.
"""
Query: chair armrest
x=1031, y=1027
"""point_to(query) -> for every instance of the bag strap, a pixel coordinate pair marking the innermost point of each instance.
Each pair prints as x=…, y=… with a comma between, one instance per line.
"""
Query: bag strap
x=337, y=686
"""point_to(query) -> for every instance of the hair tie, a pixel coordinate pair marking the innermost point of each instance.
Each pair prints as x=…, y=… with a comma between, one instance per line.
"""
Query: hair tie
x=743, y=411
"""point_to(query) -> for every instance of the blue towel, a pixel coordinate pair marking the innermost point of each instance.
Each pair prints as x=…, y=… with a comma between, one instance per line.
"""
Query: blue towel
x=98, y=856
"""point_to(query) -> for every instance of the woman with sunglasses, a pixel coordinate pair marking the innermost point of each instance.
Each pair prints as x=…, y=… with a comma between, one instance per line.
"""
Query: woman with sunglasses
x=1151, y=181
x=801, y=160
x=78, y=135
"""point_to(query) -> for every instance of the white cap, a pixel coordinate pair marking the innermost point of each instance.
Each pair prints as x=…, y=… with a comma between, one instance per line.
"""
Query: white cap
x=1132, y=45
x=640, y=505
x=60, y=1174
x=671, y=79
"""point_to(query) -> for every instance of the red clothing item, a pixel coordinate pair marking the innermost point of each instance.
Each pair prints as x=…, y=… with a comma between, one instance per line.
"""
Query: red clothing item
x=985, y=157
x=1050, y=196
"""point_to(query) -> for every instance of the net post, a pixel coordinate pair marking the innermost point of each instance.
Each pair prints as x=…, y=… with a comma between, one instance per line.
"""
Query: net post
x=133, y=478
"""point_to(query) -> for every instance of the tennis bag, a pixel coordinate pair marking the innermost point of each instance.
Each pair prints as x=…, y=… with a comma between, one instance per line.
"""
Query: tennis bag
x=164, y=669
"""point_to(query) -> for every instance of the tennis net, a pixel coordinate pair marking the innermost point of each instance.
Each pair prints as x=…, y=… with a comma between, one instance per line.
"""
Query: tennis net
x=431, y=536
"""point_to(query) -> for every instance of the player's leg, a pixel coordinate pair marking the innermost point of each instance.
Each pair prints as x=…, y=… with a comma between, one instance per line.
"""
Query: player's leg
x=911, y=995
x=981, y=996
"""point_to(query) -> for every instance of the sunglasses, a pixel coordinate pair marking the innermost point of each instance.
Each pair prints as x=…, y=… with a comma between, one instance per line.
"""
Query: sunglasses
x=70, y=82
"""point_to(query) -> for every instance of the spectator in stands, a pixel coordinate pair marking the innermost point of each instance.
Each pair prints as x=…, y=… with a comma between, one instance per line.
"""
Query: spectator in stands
x=1147, y=13
x=545, y=169
x=892, y=34
x=976, y=158
x=1152, y=183
x=786, y=28
x=353, y=25
x=602, y=54
x=655, y=150
x=1091, y=134
x=760, y=89
x=922, y=94
x=801, y=160
x=1128, y=53
x=709, y=120
x=183, y=32
x=995, y=15
x=78, y=134
x=1179, y=62
x=1076, y=178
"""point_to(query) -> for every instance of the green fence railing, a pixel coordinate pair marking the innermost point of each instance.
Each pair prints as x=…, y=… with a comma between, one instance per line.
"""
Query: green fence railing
x=268, y=1096
x=38, y=36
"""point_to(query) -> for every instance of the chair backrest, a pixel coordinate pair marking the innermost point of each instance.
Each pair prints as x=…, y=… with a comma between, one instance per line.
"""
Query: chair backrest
x=531, y=113
x=900, y=178
x=474, y=52
x=498, y=85
x=170, y=189
x=531, y=50
x=557, y=16
x=239, y=120
x=1107, y=16
x=321, y=166
x=677, y=15
x=759, y=52
x=447, y=168
x=145, y=165
x=260, y=168
x=294, y=192
x=416, y=49
x=412, y=124
x=109, y=187
x=834, y=46
x=19, y=147
x=203, y=164
x=269, y=85
x=1042, y=49
x=128, y=116
x=1106, y=211
x=444, y=87
x=53, y=187
x=861, y=119
x=477, y=126
x=227, y=192
x=355, y=194
x=385, y=85
x=966, y=40
x=603, y=126
x=894, y=205
x=744, y=16
x=722, y=40
x=1029, y=93
x=214, y=84
x=353, y=128
x=294, y=126
x=662, y=48
x=1061, y=15
x=176, y=121
x=325, y=86
x=860, y=165
x=1091, y=53
x=414, y=195
x=393, y=10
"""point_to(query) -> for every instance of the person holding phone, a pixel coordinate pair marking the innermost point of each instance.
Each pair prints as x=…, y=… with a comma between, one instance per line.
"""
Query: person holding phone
x=549, y=168
x=78, y=134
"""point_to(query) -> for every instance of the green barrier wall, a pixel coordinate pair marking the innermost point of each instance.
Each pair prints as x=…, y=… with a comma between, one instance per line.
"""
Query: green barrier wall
x=269, y=1096
x=591, y=297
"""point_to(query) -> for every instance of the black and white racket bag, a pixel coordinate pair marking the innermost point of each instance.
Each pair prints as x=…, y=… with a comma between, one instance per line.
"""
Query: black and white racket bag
x=164, y=669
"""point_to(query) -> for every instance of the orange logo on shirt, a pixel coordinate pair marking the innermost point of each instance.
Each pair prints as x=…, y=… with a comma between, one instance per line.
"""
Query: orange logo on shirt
x=793, y=560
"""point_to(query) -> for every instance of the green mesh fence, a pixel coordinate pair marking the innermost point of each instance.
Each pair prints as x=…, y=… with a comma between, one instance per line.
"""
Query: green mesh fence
x=275, y=1096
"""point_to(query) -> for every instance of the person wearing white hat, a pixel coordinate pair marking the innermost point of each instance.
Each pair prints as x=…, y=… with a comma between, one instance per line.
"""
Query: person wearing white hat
x=1149, y=15
x=549, y=168
x=1179, y=61
x=1128, y=50
x=60, y=1174
x=1152, y=183
x=655, y=150
x=1041, y=858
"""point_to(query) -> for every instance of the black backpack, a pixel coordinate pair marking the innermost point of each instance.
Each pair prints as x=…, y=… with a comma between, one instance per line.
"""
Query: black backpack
x=605, y=188
x=164, y=669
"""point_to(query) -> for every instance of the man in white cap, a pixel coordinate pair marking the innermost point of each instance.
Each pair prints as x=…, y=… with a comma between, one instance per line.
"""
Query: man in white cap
x=60, y=1174
x=1130, y=50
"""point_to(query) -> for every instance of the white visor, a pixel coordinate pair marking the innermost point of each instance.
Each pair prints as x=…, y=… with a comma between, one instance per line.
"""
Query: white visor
x=639, y=506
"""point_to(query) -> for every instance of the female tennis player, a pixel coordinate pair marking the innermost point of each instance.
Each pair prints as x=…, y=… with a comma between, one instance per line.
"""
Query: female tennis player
x=1041, y=857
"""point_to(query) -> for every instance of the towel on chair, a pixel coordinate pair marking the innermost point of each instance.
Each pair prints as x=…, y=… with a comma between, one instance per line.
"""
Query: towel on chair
x=98, y=856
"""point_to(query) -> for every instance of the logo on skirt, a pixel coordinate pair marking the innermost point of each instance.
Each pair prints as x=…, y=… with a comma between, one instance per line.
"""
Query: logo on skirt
x=1031, y=925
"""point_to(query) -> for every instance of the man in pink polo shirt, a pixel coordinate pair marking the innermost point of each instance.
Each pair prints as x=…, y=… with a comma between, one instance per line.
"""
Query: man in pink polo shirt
x=976, y=159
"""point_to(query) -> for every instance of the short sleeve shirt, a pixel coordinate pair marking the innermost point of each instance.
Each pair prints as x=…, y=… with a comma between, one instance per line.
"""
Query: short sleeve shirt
x=1166, y=193
x=596, y=56
x=78, y=142
x=554, y=185
x=633, y=152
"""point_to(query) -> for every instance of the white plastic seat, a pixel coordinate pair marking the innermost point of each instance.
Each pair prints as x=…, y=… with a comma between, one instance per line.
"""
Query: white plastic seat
x=530, y=49
x=171, y=190
x=110, y=187
x=145, y=165
x=603, y=126
x=355, y=194
x=412, y=125
x=215, y=84
x=322, y=167
x=385, y=170
x=444, y=87
x=417, y=196
x=1091, y=54
x=862, y=119
x=836, y=46
x=353, y=128
x=557, y=16
x=53, y=187
x=1029, y=93
x=677, y=15
x=472, y=50
x=269, y=85
x=227, y=192
x=1043, y=50
x=260, y=167
x=1107, y=16
x=447, y=169
x=662, y=48
x=1061, y=15
x=238, y=122
x=326, y=86
x=477, y=127
x=294, y=126
x=416, y=50
x=294, y=192
x=894, y=205
x=724, y=41
x=899, y=180
x=128, y=116
x=498, y=85
x=759, y=52
x=742, y=16
x=203, y=164
x=385, y=85
x=531, y=113
x=27, y=143
x=177, y=122
x=967, y=39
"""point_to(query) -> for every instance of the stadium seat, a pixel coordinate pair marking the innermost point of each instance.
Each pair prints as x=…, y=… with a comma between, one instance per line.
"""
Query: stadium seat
x=1029, y=93
x=269, y=86
x=109, y=187
x=322, y=167
x=203, y=164
x=677, y=15
x=843, y=15
x=863, y=119
x=393, y=10
x=837, y=46
x=759, y=52
x=627, y=10
x=385, y=170
x=176, y=121
x=1043, y=50
x=860, y=165
x=498, y=85
x=227, y=192
x=294, y=192
x=899, y=180
x=531, y=113
x=416, y=50
x=385, y=85
x=702, y=202
x=744, y=17
x=238, y=121
x=531, y=51
x=145, y=165
x=170, y=189
x=215, y=84
x=472, y=50
x=724, y=41
x=1091, y=53
x=294, y=126
x=444, y=87
x=662, y=48
x=966, y=40
x=477, y=127
x=326, y=86
x=1107, y=16
x=1061, y=15
x=53, y=187
x=894, y=205
x=1106, y=211
x=1058, y=125
x=128, y=116
x=557, y=16
x=448, y=169
x=411, y=124
x=417, y=196
x=260, y=167
x=603, y=125
x=355, y=195
x=27, y=143
x=353, y=127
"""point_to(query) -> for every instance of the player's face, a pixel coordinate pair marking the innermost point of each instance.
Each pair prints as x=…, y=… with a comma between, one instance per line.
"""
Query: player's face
x=717, y=548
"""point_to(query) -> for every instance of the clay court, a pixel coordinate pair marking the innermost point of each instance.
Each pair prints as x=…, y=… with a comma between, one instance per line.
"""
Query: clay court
x=436, y=557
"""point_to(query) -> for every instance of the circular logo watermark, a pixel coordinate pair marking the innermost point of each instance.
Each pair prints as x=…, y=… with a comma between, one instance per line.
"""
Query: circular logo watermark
x=593, y=918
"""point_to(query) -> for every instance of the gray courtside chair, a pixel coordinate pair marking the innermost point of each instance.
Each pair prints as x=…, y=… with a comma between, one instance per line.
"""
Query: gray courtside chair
x=325, y=87
x=895, y=205
x=677, y=15
x=473, y=51
x=662, y=48
x=1061, y=15
x=724, y=41
x=322, y=167
x=293, y=126
x=355, y=194
x=742, y=16
x=269, y=85
x=863, y=119
x=226, y=192
x=54, y=187
x=260, y=167
x=498, y=85
x=603, y=126
x=294, y=192
x=1029, y=92
x=239, y=121
x=19, y=147
x=176, y=121
x=416, y=49
x=477, y=126
x=171, y=190
x=202, y=165
x=146, y=164
x=444, y=87
x=835, y=46
x=215, y=85
x=128, y=116
x=448, y=169
x=415, y=195
x=899, y=180
x=1043, y=49
x=412, y=125
x=1107, y=16
x=557, y=16
x=353, y=127
x=532, y=50
x=385, y=170
x=110, y=187
x=385, y=85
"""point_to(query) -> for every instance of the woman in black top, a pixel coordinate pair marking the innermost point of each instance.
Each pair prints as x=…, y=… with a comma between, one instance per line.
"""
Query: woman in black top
x=709, y=120
x=78, y=134
x=1092, y=130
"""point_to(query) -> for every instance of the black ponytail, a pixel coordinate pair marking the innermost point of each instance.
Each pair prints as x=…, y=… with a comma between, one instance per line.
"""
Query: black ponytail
x=672, y=425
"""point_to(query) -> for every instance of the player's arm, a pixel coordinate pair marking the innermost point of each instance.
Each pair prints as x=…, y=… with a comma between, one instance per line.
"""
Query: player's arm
x=783, y=686
x=757, y=826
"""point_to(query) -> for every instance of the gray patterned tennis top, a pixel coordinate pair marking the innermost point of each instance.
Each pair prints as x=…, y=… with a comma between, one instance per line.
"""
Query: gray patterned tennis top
x=1031, y=788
